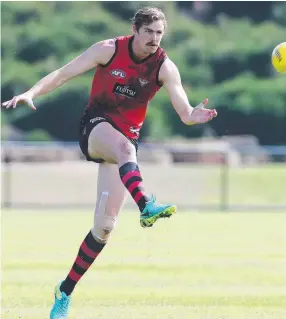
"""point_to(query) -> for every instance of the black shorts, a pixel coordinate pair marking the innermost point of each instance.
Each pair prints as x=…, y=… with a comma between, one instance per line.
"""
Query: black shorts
x=87, y=123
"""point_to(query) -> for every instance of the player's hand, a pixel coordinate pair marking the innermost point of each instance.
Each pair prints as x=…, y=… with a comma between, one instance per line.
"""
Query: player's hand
x=25, y=97
x=202, y=115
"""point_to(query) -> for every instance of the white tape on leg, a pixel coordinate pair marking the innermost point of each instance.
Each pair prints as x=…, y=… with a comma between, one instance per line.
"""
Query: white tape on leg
x=103, y=223
x=102, y=203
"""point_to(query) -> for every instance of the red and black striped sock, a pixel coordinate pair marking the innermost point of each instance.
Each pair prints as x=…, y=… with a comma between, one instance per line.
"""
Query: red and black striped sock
x=131, y=178
x=87, y=253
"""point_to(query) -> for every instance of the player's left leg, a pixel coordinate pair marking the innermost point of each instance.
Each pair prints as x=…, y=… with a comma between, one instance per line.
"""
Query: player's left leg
x=111, y=194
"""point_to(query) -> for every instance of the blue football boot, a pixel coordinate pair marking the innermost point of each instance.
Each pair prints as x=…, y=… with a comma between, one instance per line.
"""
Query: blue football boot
x=61, y=306
x=153, y=211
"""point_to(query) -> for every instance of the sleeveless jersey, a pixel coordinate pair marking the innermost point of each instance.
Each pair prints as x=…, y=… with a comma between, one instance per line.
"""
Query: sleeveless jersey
x=122, y=88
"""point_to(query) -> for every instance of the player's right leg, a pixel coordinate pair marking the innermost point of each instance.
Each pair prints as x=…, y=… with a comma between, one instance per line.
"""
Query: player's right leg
x=110, y=198
x=109, y=144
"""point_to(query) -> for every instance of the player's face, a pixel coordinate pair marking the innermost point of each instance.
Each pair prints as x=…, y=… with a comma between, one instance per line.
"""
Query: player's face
x=149, y=36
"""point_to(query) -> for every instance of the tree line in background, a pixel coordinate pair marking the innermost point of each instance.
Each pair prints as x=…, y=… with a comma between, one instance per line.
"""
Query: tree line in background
x=222, y=49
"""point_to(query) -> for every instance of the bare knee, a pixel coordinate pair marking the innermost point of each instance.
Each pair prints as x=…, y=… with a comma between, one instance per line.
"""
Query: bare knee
x=126, y=151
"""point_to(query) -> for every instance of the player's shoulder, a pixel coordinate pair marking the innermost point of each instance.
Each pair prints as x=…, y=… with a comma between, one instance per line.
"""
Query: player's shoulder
x=168, y=66
x=123, y=38
x=107, y=45
x=104, y=50
x=167, y=70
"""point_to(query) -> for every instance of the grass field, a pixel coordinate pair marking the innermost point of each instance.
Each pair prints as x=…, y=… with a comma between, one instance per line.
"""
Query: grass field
x=193, y=266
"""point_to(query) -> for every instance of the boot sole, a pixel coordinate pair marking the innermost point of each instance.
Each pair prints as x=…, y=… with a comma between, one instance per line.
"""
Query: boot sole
x=166, y=213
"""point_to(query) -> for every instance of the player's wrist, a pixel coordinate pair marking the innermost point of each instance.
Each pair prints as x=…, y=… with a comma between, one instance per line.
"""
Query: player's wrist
x=187, y=118
x=31, y=94
x=191, y=121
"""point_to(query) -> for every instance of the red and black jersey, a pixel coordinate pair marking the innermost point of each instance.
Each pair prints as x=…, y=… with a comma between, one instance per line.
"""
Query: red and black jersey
x=122, y=88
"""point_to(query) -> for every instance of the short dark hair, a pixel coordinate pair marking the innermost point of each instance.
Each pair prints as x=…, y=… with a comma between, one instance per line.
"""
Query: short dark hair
x=147, y=15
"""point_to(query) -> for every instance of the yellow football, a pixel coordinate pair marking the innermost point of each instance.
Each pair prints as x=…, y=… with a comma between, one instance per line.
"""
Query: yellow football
x=279, y=58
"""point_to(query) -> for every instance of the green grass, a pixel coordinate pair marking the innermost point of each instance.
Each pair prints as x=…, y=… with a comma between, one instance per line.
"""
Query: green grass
x=192, y=266
x=262, y=185
x=255, y=186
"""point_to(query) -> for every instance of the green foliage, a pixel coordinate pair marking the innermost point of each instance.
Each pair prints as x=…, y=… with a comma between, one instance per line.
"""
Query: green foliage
x=279, y=12
x=227, y=61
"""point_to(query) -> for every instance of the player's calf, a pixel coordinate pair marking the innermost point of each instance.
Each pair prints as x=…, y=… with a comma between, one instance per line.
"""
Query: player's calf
x=131, y=178
x=92, y=245
x=104, y=221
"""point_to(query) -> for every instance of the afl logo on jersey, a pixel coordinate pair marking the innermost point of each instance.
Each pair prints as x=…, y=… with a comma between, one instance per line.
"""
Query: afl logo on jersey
x=118, y=73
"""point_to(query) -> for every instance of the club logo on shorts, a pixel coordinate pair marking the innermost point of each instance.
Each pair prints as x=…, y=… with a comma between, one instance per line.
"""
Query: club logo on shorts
x=143, y=82
x=124, y=90
x=134, y=130
x=118, y=73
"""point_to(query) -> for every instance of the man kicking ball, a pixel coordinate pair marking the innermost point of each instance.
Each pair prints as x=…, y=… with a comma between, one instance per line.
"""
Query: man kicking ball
x=129, y=71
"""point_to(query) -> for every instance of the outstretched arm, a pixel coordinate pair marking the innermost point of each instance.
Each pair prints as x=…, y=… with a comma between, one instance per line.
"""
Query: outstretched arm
x=170, y=77
x=99, y=53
